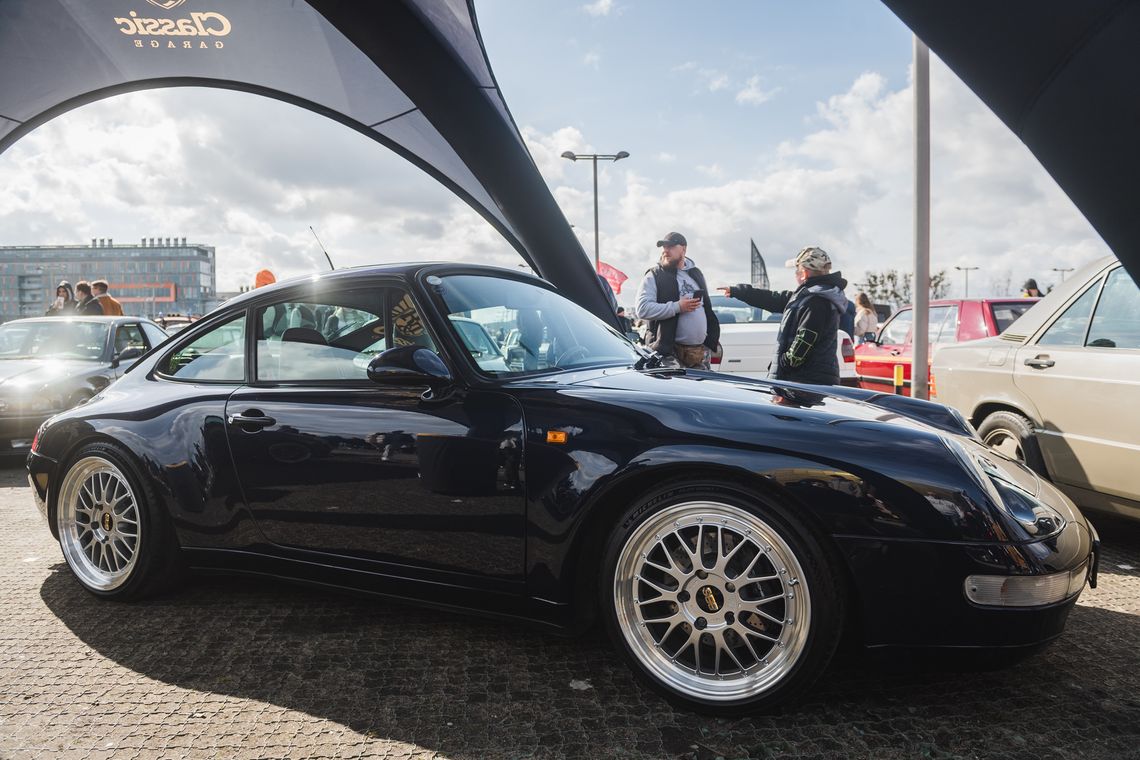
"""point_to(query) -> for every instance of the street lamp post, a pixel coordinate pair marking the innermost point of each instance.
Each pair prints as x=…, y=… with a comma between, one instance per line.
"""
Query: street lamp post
x=966, y=271
x=572, y=156
x=1062, y=270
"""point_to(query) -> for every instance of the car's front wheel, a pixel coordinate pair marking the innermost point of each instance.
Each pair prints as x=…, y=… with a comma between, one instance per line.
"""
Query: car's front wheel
x=113, y=538
x=1012, y=434
x=720, y=599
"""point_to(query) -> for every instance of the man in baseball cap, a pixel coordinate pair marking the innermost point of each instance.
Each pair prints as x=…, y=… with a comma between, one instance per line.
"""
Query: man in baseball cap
x=673, y=299
x=806, y=345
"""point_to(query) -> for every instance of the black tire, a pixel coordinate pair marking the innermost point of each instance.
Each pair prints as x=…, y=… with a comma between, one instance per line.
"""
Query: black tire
x=767, y=614
x=117, y=541
x=1012, y=434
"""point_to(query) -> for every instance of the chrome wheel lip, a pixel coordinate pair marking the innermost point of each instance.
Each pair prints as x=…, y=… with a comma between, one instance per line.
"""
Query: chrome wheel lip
x=97, y=516
x=763, y=675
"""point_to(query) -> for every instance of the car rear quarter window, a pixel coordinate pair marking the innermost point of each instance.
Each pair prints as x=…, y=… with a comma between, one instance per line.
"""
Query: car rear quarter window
x=217, y=355
x=1116, y=323
x=1005, y=314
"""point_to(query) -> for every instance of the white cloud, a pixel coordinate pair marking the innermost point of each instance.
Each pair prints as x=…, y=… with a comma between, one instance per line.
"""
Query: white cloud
x=753, y=95
x=202, y=165
x=717, y=81
x=847, y=185
x=599, y=7
x=592, y=59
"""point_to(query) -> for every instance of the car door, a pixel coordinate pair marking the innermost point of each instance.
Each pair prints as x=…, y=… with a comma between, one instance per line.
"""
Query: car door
x=1083, y=375
x=333, y=464
x=875, y=362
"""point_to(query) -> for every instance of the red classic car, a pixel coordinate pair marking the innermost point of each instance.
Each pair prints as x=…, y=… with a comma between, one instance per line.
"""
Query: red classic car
x=951, y=321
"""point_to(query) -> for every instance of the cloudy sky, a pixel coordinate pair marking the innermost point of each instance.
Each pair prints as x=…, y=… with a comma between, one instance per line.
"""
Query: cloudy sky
x=787, y=123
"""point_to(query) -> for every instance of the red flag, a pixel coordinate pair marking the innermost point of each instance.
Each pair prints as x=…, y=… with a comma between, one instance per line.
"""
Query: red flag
x=614, y=276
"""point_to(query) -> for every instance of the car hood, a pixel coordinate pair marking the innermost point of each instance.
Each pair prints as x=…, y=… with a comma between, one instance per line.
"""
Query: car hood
x=827, y=405
x=39, y=372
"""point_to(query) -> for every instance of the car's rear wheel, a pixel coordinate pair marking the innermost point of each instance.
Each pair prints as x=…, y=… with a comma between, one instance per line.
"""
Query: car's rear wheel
x=113, y=538
x=720, y=599
x=1012, y=434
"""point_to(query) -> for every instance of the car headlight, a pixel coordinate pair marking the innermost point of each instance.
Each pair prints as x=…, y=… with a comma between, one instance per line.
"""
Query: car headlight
x=1036, y=518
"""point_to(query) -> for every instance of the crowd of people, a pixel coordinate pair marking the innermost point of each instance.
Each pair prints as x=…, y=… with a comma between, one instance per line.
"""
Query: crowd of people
x=87, y=299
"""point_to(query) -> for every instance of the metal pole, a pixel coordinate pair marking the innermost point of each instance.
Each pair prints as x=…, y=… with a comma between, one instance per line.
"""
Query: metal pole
x=967, y=283
x=597, y=255
x=920, y=339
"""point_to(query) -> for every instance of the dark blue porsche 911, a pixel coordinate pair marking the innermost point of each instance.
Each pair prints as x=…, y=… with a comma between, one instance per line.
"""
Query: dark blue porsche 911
x=371, y=429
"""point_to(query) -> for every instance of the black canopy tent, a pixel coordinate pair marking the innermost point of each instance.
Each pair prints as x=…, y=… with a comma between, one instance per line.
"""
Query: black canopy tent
x=411, y=74
x=1065, y=77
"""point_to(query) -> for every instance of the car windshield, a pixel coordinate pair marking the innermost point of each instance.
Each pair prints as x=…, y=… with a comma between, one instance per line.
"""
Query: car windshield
x=732, y=310
x=55, y=339
x=1005, y=314
x=538, y=330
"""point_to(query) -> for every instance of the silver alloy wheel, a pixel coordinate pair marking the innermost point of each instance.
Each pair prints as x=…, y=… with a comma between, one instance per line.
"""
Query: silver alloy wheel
x=712, y=601
x=1005, y=442
x=98, y=519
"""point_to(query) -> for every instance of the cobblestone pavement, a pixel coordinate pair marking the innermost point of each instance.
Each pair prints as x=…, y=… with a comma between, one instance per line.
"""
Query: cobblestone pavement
x=235, y=668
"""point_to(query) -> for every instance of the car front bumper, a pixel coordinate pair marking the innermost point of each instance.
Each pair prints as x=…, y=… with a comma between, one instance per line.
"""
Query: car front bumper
x=913, y=593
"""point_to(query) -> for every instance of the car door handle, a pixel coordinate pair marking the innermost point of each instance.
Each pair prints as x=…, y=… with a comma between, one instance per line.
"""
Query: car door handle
x=1040, y=362
x=251, y=420
x=895, y=352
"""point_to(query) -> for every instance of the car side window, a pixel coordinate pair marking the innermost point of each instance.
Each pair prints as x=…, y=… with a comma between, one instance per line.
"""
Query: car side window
x=334, y=337
x=1116, y=323
x=217, y=355
x=129, y=336
x=935, y=327
x=895, y=332
x=407, y=324
x=1069, y=329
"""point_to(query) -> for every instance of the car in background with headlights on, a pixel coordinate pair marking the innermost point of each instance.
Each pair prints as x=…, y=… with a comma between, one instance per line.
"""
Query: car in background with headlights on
x=50, y=364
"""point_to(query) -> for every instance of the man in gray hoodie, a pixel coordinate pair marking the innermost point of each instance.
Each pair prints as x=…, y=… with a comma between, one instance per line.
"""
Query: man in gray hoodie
x=805, y=348
x=673, y=299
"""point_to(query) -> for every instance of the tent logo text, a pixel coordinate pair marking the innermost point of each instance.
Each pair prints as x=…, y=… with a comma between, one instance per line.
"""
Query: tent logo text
x=166, y=4
x=197, y=24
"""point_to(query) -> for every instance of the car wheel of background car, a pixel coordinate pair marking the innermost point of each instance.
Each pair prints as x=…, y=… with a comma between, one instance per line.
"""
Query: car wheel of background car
x=1012, y=434
x=113, y=536
x=719, y=599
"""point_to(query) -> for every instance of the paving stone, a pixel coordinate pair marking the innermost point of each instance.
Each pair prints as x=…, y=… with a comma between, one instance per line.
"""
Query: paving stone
x=234, y=668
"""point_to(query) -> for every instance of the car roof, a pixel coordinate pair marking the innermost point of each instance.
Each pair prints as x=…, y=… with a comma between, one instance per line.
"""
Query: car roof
x=1042, y=311
x=403, y=270
x=80, y=318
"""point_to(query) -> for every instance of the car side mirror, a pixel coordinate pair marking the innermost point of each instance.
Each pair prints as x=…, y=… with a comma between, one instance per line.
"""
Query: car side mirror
x=870, y=337
x=409, y=365
x=127, y=354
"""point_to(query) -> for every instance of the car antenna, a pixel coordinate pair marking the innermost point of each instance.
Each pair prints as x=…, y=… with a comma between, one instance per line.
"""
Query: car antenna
x=326, y=253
